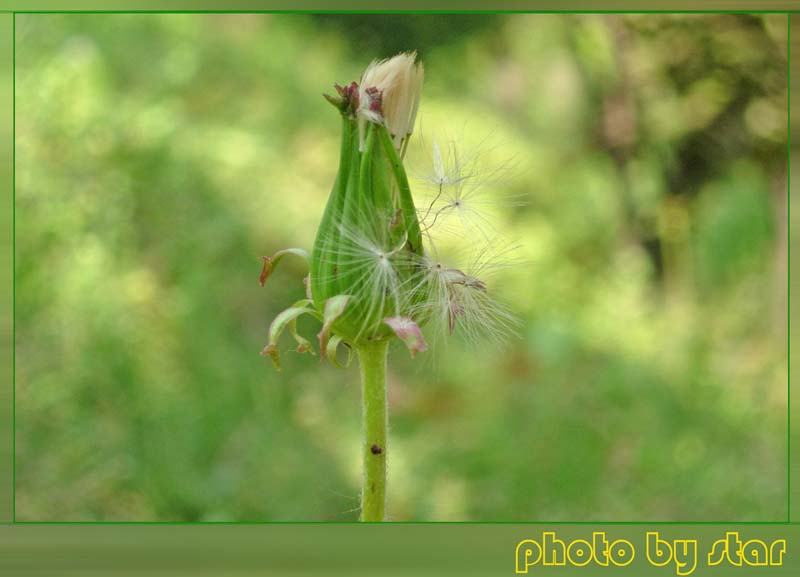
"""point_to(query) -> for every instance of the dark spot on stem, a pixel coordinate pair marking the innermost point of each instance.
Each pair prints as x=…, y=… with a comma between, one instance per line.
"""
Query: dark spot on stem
x=376, y=450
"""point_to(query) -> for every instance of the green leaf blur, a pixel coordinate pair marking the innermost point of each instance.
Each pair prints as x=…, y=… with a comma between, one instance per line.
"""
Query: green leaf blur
x=159, y=156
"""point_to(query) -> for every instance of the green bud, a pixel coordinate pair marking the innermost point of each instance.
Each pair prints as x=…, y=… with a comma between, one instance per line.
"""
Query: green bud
x=369, y=238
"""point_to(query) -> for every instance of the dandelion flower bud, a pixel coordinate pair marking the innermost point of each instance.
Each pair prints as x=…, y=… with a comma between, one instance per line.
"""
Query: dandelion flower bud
x=369, y=234
x=369, y=277
x=389, y=93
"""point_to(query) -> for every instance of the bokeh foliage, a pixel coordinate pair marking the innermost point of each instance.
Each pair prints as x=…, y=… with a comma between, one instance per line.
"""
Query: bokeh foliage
x=159, y=155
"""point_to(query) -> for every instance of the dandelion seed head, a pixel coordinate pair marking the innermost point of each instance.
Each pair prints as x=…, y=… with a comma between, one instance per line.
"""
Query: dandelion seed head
x=458, y=299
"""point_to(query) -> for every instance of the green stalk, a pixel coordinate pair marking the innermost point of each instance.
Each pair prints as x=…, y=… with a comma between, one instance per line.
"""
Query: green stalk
x=374, y=412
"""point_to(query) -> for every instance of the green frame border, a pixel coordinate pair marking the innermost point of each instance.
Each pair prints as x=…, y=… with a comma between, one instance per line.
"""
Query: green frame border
x=14, y=261
x=415, y=534
x=7, y=251
x=788, y=268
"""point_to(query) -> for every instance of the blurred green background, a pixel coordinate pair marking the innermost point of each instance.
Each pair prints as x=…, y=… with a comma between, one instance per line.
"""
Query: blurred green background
x=158, y=156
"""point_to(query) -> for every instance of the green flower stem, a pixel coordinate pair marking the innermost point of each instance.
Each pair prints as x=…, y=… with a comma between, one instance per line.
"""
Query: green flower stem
x=372, y=358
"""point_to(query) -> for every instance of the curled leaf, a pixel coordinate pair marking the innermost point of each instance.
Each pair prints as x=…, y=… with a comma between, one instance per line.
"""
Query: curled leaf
x=303, y=345
x=270, y=262
x=333, y=346
x=334, y=307
x=409, y=332
x=286, y=318
x=271, y=351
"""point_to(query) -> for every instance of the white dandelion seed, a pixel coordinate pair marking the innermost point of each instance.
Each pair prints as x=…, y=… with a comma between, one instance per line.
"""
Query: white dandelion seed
x=464, y=196
x=451, y=300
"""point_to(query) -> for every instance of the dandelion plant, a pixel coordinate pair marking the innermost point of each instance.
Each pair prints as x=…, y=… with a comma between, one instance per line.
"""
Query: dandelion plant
x=374, y=275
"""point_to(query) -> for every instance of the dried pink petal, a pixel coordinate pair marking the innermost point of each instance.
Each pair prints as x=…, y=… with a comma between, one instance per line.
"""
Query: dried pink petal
x=409, y=332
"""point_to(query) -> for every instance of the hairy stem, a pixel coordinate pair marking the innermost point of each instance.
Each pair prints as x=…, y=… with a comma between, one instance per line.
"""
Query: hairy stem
x=372, y=358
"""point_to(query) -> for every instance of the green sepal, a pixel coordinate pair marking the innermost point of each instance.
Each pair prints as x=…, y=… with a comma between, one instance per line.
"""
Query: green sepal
x=333, y=346
x=286, y=318
x=406, y=201
x=270, y=262
x=303, y=344
x=324, y=277
x=334, y=307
